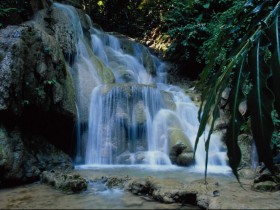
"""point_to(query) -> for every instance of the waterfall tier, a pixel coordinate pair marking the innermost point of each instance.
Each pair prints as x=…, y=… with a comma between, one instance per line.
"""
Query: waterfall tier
x=128, y=114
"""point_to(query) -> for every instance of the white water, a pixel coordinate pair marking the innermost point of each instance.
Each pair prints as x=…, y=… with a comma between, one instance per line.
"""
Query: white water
x=129, y=121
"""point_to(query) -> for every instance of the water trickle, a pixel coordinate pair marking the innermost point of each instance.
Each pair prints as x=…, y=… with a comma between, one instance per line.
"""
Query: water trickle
x=128, y=114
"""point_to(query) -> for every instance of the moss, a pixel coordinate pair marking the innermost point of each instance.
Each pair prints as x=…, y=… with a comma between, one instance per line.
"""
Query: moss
x=69, y=100
x=104, y=72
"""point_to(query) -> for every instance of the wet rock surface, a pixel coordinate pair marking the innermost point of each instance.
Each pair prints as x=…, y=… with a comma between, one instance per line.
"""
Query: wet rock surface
x=265, y=180
x=215, y=193
x=68, y=183
x=37, y=100
x=23, y=158
x=111, y=188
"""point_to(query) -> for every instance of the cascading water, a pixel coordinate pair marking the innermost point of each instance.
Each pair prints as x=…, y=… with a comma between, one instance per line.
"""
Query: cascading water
x=127, y=111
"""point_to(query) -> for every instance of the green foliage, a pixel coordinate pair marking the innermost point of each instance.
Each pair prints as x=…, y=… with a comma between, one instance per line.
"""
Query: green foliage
x=253, y=55
x=218, y=21
x=14, y=11
x=130, y=17
x=193, y=26
x=246, y=126
x=4, y=12
x=185, y=23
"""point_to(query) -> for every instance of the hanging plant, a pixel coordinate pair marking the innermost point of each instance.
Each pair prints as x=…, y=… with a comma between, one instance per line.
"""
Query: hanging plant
x=256, y=54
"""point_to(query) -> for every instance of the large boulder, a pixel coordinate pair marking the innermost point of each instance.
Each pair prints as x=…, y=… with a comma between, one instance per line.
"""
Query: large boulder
x=23, y=158
x=37, y=89
x=37, y=102
x=180, y=148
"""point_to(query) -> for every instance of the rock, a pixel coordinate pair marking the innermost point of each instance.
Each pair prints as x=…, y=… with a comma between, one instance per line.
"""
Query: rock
x=225, y=93
x=245, y=143
x=69, y=183
x=139, y=113
x=168, y=100
x=265, y=180
x=37, y=96
x=23, y=158
x=181, y=151
x=185, y=159
x=269, y=186
x=117, y=182
x=170, y=191
x=12, y=156
x=203, y=201
x=246, y=173
x=242, y=108
x=26, y=89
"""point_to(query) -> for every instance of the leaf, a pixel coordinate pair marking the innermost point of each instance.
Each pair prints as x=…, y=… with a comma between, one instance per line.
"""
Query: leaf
x=214, y=96
x=207, y=143
x=207, y=5
x=234, y=153
x=260, y=106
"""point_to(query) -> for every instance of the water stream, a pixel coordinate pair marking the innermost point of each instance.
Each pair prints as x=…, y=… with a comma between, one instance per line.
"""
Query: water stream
x=128, y=113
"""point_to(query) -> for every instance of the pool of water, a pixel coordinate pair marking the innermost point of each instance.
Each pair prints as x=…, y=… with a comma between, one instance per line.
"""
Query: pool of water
x=98, y=196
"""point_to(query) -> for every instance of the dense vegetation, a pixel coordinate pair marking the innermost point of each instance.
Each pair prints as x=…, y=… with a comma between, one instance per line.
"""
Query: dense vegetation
x=224, y=44
x=244, y=57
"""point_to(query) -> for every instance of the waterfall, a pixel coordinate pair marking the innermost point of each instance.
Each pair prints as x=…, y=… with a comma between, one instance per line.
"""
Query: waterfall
x=128, y=113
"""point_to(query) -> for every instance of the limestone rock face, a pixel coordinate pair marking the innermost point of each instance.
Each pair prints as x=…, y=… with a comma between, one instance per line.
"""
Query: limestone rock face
x=34, y=73
x=37, y=100
x=23, y=158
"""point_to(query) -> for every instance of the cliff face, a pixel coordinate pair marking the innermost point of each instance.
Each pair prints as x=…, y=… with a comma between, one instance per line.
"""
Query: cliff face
x=37, y=96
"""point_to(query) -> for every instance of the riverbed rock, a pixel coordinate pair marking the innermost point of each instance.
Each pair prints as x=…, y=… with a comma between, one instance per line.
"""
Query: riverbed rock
x=172, y=191
x=268, y=186
x=68, y=183
x=265, y=180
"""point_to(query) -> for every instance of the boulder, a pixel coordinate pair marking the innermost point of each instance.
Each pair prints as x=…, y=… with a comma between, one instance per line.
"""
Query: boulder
x=180, y=148
x=245, y=143
x=268, y=186
x=23, y=158
x=170, y=191
x=37, y=101
x=168, y=100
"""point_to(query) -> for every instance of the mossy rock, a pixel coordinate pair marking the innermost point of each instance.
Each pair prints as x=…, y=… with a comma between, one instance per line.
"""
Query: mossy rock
x=267, y=186
x=168, y=100
x=68, y=183
x=185, y=159
x=180, y=148
x=176, y=136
